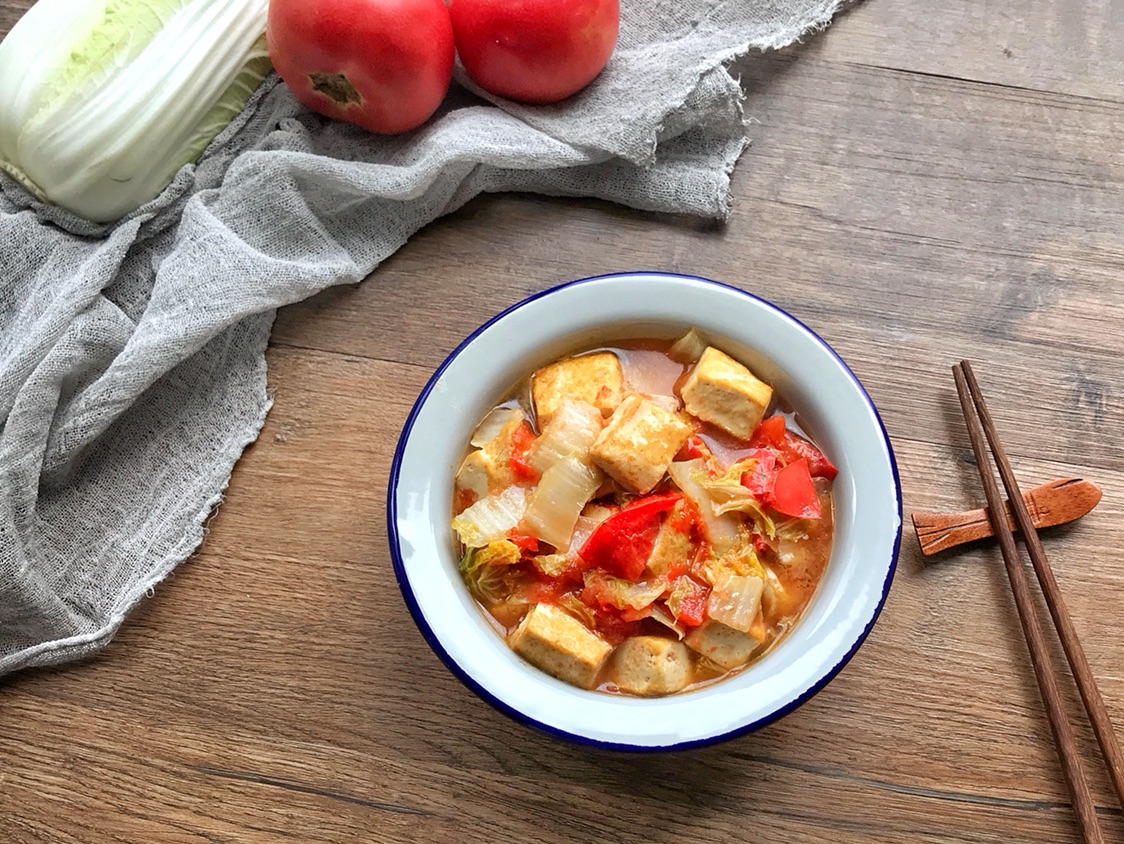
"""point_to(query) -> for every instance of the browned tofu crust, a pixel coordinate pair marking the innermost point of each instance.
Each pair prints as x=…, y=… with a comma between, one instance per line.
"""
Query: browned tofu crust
x=725, y=393
x=651, y=665
x=722, y=645
x=560, y=645
x=596, y=379
x=639, y=443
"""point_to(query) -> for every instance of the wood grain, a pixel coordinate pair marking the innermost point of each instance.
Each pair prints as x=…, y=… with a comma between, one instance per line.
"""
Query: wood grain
x=914, y=195
x=1103, y=728
x=1044, y=669
x=1049, y=504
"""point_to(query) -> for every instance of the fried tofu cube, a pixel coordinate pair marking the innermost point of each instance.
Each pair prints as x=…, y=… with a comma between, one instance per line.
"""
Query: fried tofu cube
x=560, y=645
x=488, y=469
x=651, y=665
x=722, y=645
x=477, y=474
x=596, y=379
x=639, y=442
x=725, y=393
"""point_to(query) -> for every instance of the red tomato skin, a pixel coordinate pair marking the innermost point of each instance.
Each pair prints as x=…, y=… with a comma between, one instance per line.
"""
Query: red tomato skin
x=818, y=463
x=623, y=542
x=788, y=447
x=534, y=51
x=768, y=433
x=691, y=609
x=762, y=477
x=397, y=54
x=793, y=492
x=521, y=442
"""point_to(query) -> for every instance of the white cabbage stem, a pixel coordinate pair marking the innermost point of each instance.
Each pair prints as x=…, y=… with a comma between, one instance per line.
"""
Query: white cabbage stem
x=490, y=519
x=103, y=101
x=553, y=508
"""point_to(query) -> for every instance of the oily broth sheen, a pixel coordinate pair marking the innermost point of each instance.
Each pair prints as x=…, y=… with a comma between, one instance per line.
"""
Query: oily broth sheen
x=648, y=369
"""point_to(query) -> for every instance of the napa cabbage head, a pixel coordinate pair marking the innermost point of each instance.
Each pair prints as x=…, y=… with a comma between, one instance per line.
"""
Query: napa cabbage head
x=102, y=101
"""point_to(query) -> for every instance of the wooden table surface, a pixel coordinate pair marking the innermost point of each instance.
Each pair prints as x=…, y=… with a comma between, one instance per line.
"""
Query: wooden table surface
x=927, y=182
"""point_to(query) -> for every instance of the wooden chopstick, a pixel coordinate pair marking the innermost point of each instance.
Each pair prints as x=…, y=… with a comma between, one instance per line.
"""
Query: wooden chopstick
x=1064, y=739
x=1082, y=673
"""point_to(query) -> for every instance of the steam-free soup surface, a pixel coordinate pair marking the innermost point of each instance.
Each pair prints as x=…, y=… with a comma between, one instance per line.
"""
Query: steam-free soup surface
x=641, y=519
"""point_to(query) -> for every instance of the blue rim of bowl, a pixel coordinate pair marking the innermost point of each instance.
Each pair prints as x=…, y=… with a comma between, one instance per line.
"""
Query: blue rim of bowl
x=520, y=717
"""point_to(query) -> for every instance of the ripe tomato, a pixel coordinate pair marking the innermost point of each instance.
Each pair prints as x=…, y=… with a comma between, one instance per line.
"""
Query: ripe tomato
x=534, y=51
x=623, y=542
x=384, y=64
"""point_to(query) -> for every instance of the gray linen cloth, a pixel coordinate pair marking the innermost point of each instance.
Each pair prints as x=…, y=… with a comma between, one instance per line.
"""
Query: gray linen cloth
x=132, y=368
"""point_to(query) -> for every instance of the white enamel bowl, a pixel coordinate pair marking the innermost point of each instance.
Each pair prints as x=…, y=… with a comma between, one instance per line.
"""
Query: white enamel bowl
x=831, y=405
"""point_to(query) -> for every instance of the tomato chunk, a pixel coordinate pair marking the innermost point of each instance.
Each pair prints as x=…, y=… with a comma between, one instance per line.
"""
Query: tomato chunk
x=623, y=542
x=526, y=543
x=544, y=591
x=818, y=464
x=788, y=447
x=794, y=494
x=614, y=627
x=521, y=440
x=769, y=432
x=687, y=601
x=693, y=449
x=761, y=479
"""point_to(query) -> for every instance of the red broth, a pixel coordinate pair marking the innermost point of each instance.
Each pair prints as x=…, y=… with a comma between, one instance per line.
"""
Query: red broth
x=597, y=564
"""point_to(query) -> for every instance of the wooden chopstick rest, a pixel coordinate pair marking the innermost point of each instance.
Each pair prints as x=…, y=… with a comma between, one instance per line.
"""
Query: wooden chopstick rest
x=1053, y=503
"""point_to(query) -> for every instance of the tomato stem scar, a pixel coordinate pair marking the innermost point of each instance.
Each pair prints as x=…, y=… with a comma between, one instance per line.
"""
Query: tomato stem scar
x=336, y=86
